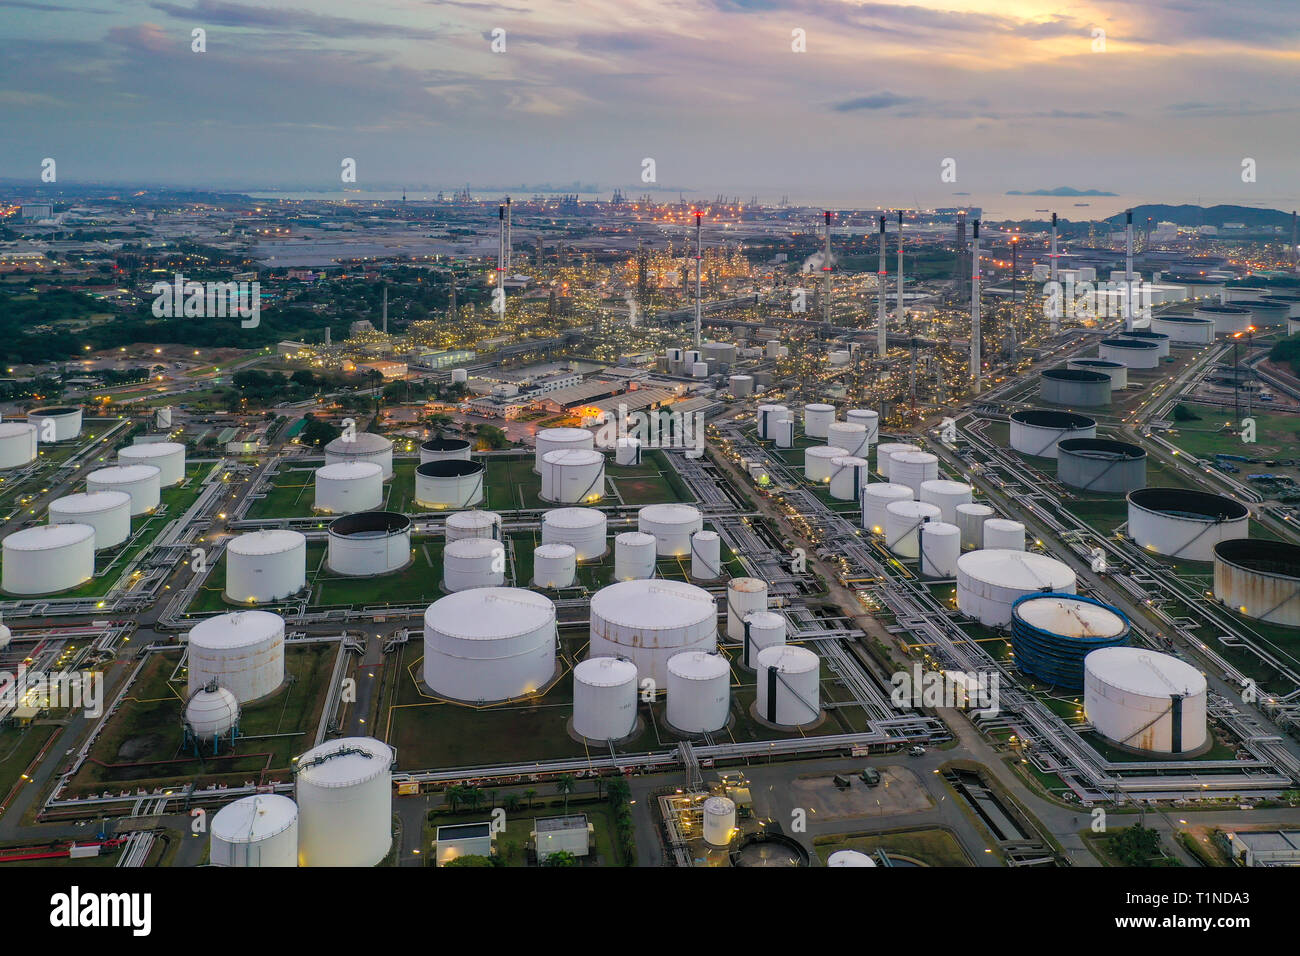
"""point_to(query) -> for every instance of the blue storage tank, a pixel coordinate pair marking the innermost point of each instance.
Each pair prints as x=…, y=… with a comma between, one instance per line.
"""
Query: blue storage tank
x=1052, y=633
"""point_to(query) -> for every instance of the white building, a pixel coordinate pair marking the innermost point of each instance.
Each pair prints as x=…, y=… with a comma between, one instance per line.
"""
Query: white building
x=565, y=834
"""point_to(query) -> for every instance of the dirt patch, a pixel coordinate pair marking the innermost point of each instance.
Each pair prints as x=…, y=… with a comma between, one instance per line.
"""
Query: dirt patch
x=899, y=791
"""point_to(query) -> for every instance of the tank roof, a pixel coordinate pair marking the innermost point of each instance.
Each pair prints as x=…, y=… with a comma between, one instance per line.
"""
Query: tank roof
x=1141, y=671
x=485, y=614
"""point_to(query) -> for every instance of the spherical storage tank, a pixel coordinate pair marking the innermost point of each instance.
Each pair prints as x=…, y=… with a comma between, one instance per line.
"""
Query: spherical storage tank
x=573, y=475
x=946, y=495
x=634, y=556
x=851, y=436
x=1036, y=431
x=867, y=418
x=261, y=830
x=1227, y=319
x=1158, y=339
x=369, y=542
x=940, y=547
x=473, y=563
x=584, y=528
x=1100, y=464
x=1184, y=524
x=789, y=685
x=142, y=482
x=719, y=821
x=1117, y=371
x=970, y=519
x=449, y=483
x=264, y=566
x=885, y=452
x=1003, y=533
x=1185, y=329
x=706, y=556
x=1259, y=578
x=744, y=596
x=108, y=512
x=554, y=565
x=672, y=526
x=349, y=486
x=489, y=644
x=561, y=439
x=56, y=422
x=817, y=418
x=817, y=462
x=990, y=581
x=604, y=698
x=767, y=417
x=762, y=629
x=1051, y=634
x=168, y=456
x=903, y=521
x=649, y=621
x=849, y=475
x=48, y=558
x=1145, y=701
x=362, y=446
x=440, y=449
x=242, y=651
x=211, y=713
x=1067, y=386
x=473, y=524
x=913, y=469
x=344, y=789
x=876, y=499
x=17, y=444
x=699, y=692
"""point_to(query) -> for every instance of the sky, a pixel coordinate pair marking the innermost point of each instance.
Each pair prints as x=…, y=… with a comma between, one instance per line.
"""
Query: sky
x=1020, y=94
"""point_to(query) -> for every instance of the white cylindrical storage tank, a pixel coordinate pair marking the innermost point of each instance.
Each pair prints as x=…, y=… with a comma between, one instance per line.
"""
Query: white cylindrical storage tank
x=1082, y=389
x=162, y=418
x=947, y=495
x=362, y=446
x=762, y=629
x=742, y=386
x=473, y=563
x=719, y=821
x=940, y=548
x=369, y=542
x=108, y=512
x=48, y=558
x=990, y=581
x=766, y=418
x=473, y=524
x=168, y=456
x=212, y=713
x=783, y=433
x=789, y=685
x=561, y=439
x=573, y=475
x=554, y=565
x=1134, y=353
x=349, y=486
x=903, y=521
x=56, y=422
x=440, y=449
x=649, y=621
x=604, y=698
x=876, y=498
x=849, y=475
x=1265, y=314
x=1036, y=431
x=868, y=419
x=1004, y=533
x=885, y=452
x=699, y=692
x=1260, y=579
x=1117, y=371
x=913, y=469
x=706, y=556
x=744, y=596
x=627, y=451
x=817, y=419
x=970, y=519
x=1291, y=301
x=1227, y=319
x=851, y=436
x=672, y=525
x=459, y=376
x=1184, y=524
x=449, y=483
x=1185, y=329
x=1158, y=339
x=242, y=651
x=17, y=444
x=584, y=528
x=699, y=369
x=263, y=566
x=344, y=789
x=691, y=356
x=1145, y=701
x=634, y=556
x=817, y=462
x=261, y=830
x=489, y=644
x=142, y=482
x=851, y=857
x=839, y=357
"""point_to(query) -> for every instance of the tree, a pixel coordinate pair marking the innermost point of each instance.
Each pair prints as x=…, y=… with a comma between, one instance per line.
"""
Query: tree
x=489, y=436
x=471, y=860
x=512, y=802
x=561, y=858
x=565, y=784
x=455, y=795
x=317, y=433
x=530, y=794
x=474, y=797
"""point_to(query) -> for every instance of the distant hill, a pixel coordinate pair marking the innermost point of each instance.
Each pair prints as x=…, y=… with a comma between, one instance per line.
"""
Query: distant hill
x=1202, y=216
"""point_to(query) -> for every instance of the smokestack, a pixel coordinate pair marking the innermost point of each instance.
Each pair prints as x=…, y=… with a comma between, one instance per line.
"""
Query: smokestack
x=900, y=266
x=975, y=308
x=1293, y=238
x=327, y=336
x=1055, y=318
x=882, y=320
x=699, y=262
x=501, y=256
x=826, y=273
x=508, y=235
x=385, y=310
x=1128, y=271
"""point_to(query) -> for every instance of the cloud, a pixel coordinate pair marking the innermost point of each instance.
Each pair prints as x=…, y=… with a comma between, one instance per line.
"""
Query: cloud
x=874, y=101
x=291, y=20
